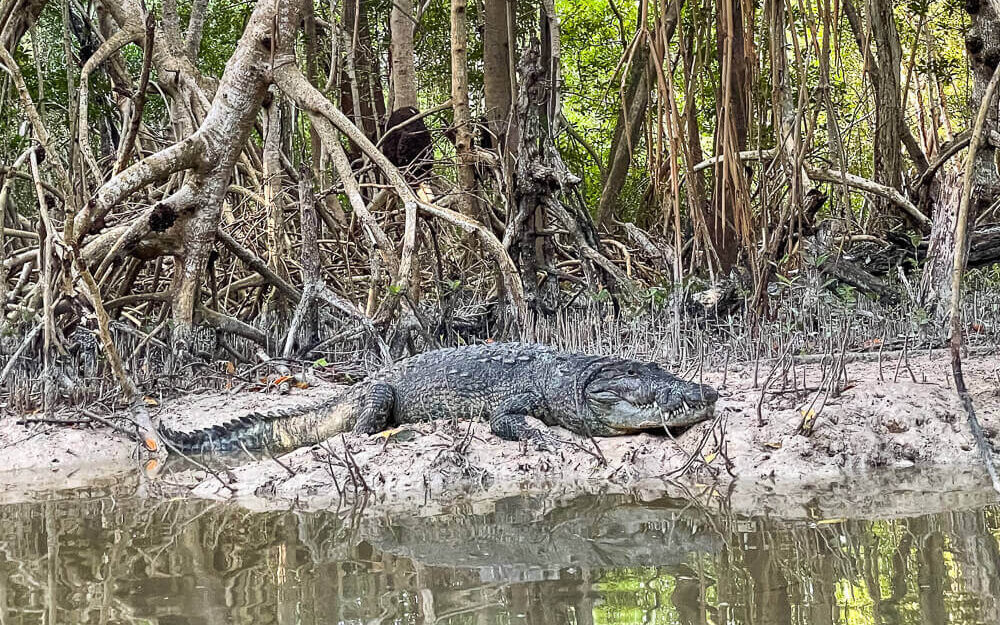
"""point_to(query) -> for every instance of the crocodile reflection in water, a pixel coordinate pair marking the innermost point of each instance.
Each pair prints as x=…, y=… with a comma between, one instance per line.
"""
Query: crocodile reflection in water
x=525, y=539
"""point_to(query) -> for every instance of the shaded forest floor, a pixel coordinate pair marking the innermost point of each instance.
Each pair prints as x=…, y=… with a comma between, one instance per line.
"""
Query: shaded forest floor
x=890, y=424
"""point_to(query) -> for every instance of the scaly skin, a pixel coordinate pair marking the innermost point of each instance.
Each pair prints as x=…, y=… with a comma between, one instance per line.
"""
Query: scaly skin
x=503, y=383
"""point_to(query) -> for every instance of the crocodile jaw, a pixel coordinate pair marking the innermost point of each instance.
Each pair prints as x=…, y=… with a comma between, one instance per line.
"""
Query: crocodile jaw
x=655, y=418
x=624, y=417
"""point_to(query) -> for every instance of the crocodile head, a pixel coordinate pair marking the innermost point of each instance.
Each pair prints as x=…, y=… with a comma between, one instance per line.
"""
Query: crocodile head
x=627, y=396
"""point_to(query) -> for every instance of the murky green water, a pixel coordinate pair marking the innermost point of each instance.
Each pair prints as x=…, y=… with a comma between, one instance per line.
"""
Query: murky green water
x=526, y=560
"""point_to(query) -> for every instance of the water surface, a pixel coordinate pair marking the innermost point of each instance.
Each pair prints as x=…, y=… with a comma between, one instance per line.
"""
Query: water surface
x=607, y=559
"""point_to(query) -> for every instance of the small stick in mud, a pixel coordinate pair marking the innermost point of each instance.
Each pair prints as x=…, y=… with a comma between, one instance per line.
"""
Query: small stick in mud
x=829, y=386
x=325, y=447
x=696, y=454
x=770, y=376
x=597, y=450
x=281, y=464
x=725, y=369
x=463, y=446
x=111, y=424
x=353, y=468
x=53, y=421
x=881, y=346
x=246, y=451
x=902, y=355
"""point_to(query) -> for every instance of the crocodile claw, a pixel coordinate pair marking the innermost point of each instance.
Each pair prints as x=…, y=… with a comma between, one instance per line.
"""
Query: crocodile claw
x=545, y=442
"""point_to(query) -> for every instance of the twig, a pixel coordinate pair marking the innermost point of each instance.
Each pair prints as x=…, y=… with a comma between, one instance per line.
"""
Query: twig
x=696, y=454
x=353, y=466
x=114, y=426
x=139, y=101
x=961, y=254
x=52, y=421
x=20, y=350
x=281, y=464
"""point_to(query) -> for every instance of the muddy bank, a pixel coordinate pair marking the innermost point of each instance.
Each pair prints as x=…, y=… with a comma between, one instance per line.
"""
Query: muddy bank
x=903, y=437
x=872, y=430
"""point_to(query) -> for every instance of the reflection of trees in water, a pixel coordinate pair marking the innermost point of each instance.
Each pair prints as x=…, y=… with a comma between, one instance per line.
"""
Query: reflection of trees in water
x=590, y=561
x=920, y=571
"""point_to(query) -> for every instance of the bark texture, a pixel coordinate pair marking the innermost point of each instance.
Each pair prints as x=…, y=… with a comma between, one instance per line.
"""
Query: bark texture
x=460, y=103
x=404, y=72
x=497, y=72
x=983, y=47
x=731, y=197
x=888, y=108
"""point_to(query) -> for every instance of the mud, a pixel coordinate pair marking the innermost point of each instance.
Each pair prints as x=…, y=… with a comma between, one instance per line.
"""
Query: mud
x=891, y=431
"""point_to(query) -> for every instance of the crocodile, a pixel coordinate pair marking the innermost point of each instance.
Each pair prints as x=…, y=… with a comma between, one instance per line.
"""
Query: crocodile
x=519, y=388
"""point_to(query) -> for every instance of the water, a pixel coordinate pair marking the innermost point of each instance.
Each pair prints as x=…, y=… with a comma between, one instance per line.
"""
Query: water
x=103, y=559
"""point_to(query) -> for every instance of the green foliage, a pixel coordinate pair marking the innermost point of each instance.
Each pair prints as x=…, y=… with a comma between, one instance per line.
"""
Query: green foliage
x=223, y=25
x=656, y=297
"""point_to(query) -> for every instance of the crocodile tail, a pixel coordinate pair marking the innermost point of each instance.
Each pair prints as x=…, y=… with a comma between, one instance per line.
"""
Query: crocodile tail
x=251, y=431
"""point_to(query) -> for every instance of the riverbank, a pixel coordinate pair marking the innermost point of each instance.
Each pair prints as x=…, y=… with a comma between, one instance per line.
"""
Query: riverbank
x=801, y=437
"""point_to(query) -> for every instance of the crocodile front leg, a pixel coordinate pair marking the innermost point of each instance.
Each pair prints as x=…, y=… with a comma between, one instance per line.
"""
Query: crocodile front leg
x=509, y=421
x=376, y=409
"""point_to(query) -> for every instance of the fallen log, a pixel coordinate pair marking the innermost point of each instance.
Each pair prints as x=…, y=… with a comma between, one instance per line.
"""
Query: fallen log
x=881, y=258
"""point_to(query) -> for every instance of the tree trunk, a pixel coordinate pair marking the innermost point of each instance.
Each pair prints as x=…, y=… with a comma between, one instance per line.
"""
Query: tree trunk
x=695, y=153
x=983, y=46
x=195, y=209
x=460, y=103
x=542, y=177
x=273, y=177
x=935, y=283
x=497, y=72
x=874, y=71
x=888, y=109
x=631, y=115
x=404, y=72
x=363, y=86
x=731, y=132
x=537, y=182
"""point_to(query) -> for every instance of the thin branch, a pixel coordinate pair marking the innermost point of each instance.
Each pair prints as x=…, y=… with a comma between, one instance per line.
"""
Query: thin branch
x=114, y=43
x=294, y=83
x=825, y=174
x=139, y=100
x=254, y=262
x=961, y=255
